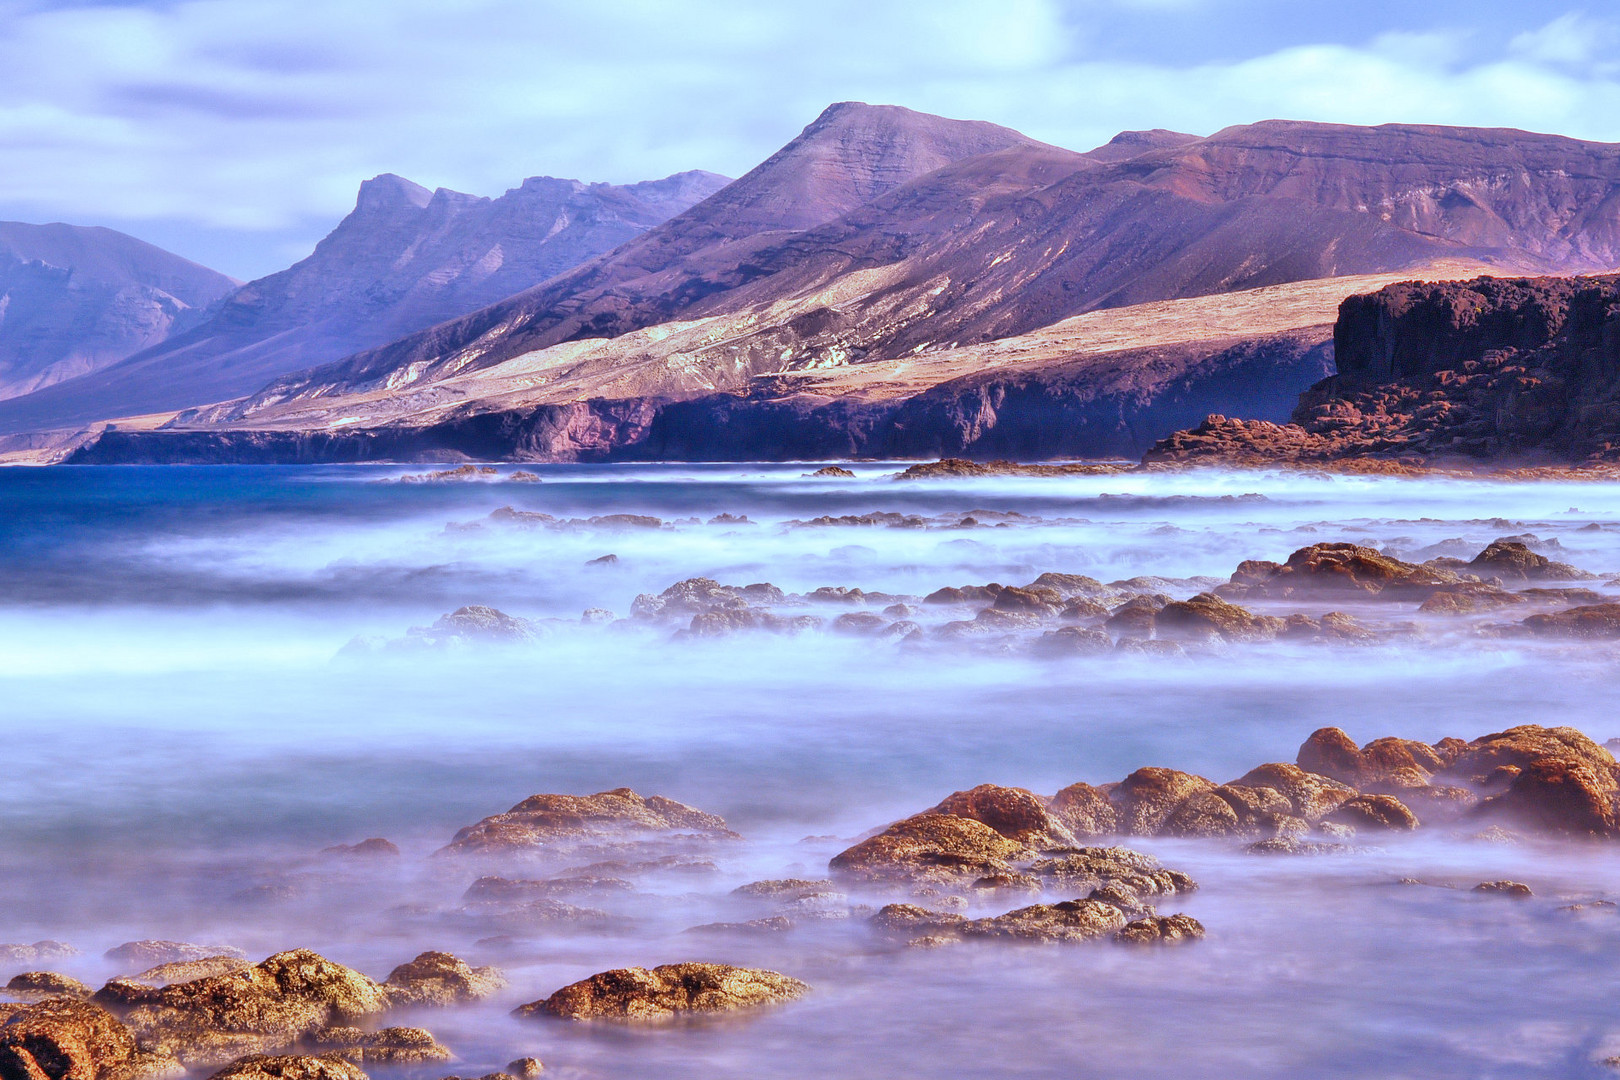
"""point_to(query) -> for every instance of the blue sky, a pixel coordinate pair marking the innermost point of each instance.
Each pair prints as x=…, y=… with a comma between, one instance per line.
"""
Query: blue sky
x=236, y=131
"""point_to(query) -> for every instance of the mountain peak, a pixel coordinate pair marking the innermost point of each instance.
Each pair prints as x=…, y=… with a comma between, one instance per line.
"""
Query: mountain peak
x=390, y=192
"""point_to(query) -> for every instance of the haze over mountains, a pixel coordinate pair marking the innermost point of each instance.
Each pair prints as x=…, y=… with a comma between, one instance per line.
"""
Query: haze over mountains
x=73, y=300
x=406, y=258
x=880, y=255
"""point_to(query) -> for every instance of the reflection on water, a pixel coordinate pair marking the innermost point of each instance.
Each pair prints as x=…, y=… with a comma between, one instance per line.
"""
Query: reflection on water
x=181, y=743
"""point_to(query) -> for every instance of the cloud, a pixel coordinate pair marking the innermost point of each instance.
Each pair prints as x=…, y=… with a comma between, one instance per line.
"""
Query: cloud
x=254, y=120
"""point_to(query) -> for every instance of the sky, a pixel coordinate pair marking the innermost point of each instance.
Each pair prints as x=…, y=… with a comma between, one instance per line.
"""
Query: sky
x=236, y=132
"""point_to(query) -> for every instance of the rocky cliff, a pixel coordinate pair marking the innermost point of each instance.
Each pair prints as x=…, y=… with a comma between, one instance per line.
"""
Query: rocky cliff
x=73, y=300
x=1523, y=370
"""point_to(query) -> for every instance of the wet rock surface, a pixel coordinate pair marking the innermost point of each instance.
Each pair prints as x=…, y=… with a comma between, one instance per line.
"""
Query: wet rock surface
x=664, y=992
x=543, y=820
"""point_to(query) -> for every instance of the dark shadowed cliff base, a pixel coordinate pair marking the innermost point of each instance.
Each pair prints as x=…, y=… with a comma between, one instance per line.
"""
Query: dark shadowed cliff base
x=1058, y=411
x=1521, y=371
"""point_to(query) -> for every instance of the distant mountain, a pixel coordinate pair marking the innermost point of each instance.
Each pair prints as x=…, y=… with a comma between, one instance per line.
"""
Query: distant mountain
x=404, y=259
x=73, y=300
x=1006, y=235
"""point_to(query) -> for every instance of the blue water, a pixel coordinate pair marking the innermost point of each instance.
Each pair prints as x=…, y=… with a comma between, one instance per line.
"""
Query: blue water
x=182, y=723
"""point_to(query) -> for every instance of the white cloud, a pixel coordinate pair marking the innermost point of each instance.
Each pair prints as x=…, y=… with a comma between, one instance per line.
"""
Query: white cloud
x=261, y=116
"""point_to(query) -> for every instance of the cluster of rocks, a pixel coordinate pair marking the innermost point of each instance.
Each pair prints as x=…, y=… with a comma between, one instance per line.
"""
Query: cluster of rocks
x=1060, y=614
x=294, y=1016
x=666, y=992
x=465, y=473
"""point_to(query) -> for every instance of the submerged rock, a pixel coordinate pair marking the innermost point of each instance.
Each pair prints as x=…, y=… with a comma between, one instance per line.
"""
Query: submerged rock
x=1336, y=568
x=376, y=847
x=1516, y=889
x=1161, y=930
x=540, y=820
x=475, y=623
x=1586, y=621
x=667, y=991
x=438, y=978
x=1511, y=560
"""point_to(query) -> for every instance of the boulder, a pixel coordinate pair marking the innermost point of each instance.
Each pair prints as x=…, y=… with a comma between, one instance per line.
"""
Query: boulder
x=476, y=623
x=1085, y=811
x=930, y=847
x=42, y=984
x=1073, y=641
x=1312, y=795
x=1071, y=920
x=1340, y=568
x=1511, y=560
x=1563, y=795
x=548, y=819
x=1516, y=889
x=291, y=1067
x=1374, y=812
x=1260, y=811
x=1208, y=617
x=438, y=978
x=269, y=1006
x=1478, y=761
x=911, y=920
x=667, y=991
x=1136, y=617
x=66, y=1039
x=1384, y=765
x=390, y=1046
x=1586, y=621
x=1147, y=798
x=1015, y=813
x=376, y=847
x=1161, y=930
x=1111, y=868
x=1036, y=600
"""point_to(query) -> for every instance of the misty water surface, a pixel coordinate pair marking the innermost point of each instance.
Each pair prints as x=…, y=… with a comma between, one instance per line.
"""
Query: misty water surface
x=185, y=729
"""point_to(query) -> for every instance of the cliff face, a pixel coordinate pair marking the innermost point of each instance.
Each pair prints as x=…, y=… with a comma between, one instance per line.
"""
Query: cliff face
x=1114, y=408
x=74, y=300
x=1511, y=370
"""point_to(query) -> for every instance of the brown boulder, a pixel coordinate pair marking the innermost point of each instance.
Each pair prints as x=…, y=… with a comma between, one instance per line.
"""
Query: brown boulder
x=1097, y=868
x=1383, y=765
x=1073, y=641
x=1519, y=746
x=1312, y=795
x=144, y=954
x=621, y=813
x=47, y=984
x=926, y=847
x=1136, y=617
x=667, y=991
x=1258, y=810
x=291, y=1067
x=269, y=1006
x=1561, y=795
x=1516, y=889
x=1071, y=920
x=390, y=1046
x=1340, y=568
x=1208, y=617
x=1017, y=814
x=910, y=920
x=438, y=978
x=1161, y=930
x=1204, y=813
x=1085, y=811
x=1146, y=799
x=1034, y=600
x=1511, y=560
x=67, y=1039
x=1587, y=621
x=1374, y=812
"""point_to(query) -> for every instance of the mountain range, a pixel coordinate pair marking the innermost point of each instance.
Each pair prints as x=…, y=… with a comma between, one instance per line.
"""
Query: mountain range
x=887, y=284
x=74, y=300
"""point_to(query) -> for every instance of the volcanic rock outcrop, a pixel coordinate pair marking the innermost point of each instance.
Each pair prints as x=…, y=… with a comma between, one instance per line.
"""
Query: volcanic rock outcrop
x=1516, y=370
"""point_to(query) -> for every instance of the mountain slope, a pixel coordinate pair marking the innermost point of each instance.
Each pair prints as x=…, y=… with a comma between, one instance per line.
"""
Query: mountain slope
x=1003, y=242
x=405, y=258
x=74, y=299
